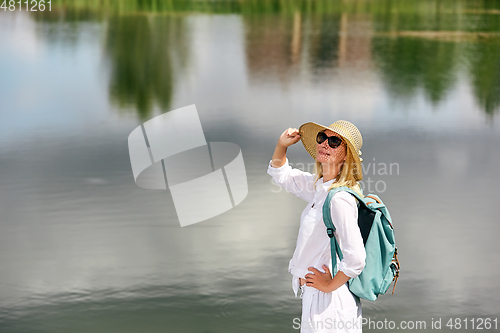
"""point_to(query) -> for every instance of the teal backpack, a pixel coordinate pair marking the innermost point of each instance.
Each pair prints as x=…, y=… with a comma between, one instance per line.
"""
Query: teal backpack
x=382, y=265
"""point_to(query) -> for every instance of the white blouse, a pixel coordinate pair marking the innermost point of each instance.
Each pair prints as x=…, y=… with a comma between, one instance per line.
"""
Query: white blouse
x=313, y=243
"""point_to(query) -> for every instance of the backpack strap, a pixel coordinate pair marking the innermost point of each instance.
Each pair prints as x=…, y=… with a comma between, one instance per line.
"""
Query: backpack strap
x=330, y=227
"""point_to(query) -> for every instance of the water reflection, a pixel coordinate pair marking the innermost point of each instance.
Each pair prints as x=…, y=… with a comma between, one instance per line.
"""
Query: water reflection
x=408, y=65
x=142, y=52
x=416, y=45
x=484, y=71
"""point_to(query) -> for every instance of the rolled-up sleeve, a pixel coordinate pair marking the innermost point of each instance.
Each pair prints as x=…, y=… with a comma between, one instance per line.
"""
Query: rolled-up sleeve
x=345, y=218
x=293, y=180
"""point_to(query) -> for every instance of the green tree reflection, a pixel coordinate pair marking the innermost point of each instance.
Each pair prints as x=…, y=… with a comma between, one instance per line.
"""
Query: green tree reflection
x=324, y=40
x=484, y=70
x=425, y=45
x=141, y=51
x=408, y=64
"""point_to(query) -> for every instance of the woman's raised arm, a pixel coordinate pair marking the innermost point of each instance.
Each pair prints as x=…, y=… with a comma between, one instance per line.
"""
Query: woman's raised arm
x=288, y=137
x=293, y=180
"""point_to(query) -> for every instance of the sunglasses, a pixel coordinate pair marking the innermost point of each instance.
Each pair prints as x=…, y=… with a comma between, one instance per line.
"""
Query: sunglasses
x=333, y=141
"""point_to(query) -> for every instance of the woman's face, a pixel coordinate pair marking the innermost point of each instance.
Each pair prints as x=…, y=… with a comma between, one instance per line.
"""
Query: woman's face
x=327, y=155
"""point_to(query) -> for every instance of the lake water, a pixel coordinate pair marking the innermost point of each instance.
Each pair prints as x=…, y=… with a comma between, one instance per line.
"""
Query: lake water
x=84, y=249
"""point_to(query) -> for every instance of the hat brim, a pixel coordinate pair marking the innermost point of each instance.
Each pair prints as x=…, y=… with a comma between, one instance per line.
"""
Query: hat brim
x=308, y=133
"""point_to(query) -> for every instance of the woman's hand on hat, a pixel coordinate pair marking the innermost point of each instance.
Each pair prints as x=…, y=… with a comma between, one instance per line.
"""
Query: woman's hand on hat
x=289, y=137
x=319, y=280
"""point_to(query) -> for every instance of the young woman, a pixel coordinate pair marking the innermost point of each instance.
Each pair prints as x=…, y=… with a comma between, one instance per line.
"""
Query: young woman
x=327, y=303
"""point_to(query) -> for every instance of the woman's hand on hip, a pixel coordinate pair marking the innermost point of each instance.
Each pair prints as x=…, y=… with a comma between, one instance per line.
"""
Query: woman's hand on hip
x=319, y=280
x=289, y=137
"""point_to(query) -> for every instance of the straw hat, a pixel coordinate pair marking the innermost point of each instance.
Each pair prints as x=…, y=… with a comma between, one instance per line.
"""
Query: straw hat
x=349, y=133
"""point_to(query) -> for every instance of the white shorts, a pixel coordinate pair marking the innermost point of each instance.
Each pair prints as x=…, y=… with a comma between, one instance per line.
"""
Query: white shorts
x=335, y=312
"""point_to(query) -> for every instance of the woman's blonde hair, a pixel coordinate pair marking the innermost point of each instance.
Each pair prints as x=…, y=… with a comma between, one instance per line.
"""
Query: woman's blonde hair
x=346, y=175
